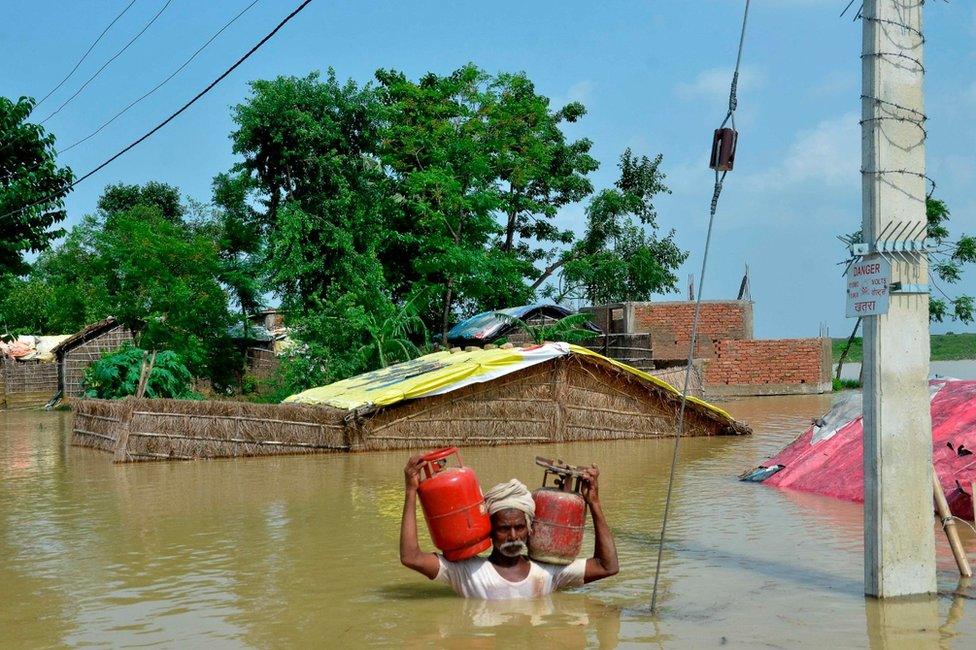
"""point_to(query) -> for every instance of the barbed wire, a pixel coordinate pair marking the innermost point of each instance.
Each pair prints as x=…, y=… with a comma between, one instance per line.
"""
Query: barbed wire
x=885, y=21
x=912, y=116
x=908, y=172
x=898, y=55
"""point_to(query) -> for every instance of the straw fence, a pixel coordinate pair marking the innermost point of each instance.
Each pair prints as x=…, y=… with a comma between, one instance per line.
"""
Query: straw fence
x=572, y=398
x=156, y=429
x=26, y=384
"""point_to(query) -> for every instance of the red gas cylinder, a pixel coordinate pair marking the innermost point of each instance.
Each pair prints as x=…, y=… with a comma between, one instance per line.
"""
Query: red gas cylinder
x=454, y=506
x=560, y=513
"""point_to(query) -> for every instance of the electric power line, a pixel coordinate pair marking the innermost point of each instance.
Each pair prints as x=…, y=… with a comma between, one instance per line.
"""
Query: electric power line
x=161, y=83
x=679, y=431
x=85, y=55
x=106, y=64
x=169, y=119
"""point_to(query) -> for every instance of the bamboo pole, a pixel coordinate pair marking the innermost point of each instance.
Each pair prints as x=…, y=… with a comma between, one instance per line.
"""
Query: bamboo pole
x=949, y=526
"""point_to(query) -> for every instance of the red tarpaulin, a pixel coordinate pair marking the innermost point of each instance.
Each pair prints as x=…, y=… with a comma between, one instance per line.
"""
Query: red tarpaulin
x=828, y=459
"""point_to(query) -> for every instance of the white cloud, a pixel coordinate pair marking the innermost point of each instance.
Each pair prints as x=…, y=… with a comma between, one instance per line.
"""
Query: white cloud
x=827, y=155
x=715, y=83
x=581, y=91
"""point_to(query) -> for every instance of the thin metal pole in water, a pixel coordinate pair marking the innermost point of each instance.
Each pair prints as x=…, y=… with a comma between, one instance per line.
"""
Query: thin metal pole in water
x=719, y=178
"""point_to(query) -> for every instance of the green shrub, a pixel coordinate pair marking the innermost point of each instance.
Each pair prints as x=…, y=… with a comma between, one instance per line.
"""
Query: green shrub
x=116, y=375
x=845, y=384
x=249, y=384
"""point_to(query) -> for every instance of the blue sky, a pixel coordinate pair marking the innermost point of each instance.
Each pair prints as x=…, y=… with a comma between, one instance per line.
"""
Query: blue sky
x=654, y=76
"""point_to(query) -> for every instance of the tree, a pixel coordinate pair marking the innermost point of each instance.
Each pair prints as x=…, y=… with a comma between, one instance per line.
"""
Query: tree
x=947, y=264
x=537, y=168
x=240, y=246
x=308, y=149
x=23, y=306
x=618, y=259
x=123, y=197
x=32, y=186
x=434, y=145
x=151, y=270
x=481, y=166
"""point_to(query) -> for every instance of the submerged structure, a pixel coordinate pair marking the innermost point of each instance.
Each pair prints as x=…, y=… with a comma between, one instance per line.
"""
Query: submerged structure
x=75, y=353
x=554, y=392
x=827, y=459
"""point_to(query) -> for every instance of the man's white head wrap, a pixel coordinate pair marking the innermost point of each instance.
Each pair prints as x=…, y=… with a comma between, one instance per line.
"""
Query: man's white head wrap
x=512, y=494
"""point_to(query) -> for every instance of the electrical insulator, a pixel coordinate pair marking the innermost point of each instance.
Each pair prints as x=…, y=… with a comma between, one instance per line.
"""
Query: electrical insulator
x=723, y=149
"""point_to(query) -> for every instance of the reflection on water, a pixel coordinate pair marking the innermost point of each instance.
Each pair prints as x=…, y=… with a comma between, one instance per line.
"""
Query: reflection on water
x=274, y=552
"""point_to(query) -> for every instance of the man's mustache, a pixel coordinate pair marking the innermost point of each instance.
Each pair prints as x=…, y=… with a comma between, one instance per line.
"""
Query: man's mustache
x=512, y=549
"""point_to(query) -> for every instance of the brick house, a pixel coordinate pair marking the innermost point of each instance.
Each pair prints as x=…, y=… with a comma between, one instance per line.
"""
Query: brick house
x=733, y=362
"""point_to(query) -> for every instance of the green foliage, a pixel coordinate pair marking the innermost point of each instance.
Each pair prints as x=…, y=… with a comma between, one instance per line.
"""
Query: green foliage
x=119, y=198
x=148, y=268
x=29, y=173
x=845, y=384
x=116, y=375
x=947, y=265
x=618, y=259
x=22, y=306
x=249, y=384
x=444, y=188
x=239, y=242
x=390, y=338
x=567, y=329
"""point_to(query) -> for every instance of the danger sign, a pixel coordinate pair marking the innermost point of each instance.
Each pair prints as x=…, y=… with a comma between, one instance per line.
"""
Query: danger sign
x=867, y=288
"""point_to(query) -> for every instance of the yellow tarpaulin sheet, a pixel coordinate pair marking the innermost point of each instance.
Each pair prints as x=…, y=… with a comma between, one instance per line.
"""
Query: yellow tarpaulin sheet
x=443, y=372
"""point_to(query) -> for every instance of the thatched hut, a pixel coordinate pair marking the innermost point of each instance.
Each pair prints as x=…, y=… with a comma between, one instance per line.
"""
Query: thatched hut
x=76, y=352
x=550, y=393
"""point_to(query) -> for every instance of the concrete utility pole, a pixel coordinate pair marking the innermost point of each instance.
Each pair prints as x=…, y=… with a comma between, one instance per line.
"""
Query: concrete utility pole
x=899, y=540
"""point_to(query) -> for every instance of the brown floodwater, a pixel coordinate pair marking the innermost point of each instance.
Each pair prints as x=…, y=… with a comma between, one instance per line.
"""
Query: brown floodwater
x=302, y=550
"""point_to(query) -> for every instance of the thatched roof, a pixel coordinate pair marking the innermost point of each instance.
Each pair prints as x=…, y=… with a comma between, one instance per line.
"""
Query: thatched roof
x=89, y=332
x=444, y=372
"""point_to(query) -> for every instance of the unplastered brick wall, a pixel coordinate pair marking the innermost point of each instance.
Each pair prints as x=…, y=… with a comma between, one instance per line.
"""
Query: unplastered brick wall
x=779, y=366
x=669, y=324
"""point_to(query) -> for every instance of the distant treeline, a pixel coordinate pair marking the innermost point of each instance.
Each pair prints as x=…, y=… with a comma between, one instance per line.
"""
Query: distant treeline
x=945, y=347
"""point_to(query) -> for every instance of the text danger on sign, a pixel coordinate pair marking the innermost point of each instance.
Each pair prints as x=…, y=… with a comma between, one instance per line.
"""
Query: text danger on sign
x=867, y=288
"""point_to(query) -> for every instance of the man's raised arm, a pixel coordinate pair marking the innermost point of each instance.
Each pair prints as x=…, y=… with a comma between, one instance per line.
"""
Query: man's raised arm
x=410, y=554
x=603, y=564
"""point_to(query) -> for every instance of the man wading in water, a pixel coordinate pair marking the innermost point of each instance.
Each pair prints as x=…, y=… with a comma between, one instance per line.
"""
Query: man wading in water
x=507, y=572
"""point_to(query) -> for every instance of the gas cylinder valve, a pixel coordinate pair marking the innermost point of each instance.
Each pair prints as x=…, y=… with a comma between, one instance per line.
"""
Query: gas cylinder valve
x=560, y=513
